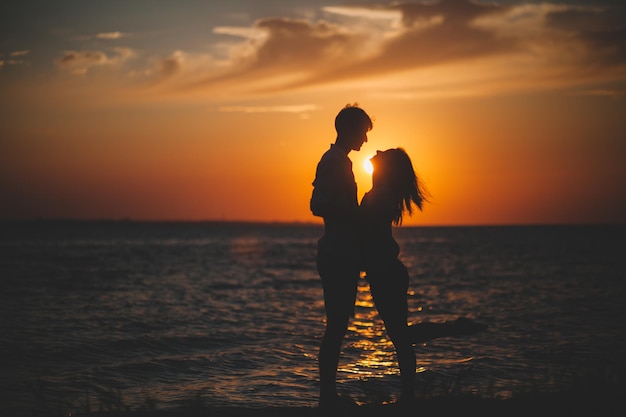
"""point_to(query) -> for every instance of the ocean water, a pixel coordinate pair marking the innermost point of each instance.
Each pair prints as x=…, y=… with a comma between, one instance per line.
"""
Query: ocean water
x=106, y=315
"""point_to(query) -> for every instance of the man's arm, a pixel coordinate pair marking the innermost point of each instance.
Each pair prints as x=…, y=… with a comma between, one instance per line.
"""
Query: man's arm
x=334, y=191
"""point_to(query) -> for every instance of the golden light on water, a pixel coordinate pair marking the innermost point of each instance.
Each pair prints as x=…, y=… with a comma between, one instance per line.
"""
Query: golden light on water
x=377, y=357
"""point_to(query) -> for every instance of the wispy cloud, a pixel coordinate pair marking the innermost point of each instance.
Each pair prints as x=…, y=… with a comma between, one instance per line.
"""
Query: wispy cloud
x=181, y=64
x=19, y=53
x=105, y=36
x=412, y=49
x=14, y=58
x=278, y=54
x=363, y=12
x=80, y=62
x=112, y=35
x=242, y=32
x=617, y=94
x=299, y=108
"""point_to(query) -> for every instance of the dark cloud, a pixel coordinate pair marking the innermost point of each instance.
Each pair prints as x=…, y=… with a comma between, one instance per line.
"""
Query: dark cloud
x=168, y=67
x=602, y=30
x=298, y=43
x=79, y=62
x=431, y=34
x=456, y=13
x=588, y=19
x=451, y=38
x=288, y=46
x=299, y=53
x=89, y=57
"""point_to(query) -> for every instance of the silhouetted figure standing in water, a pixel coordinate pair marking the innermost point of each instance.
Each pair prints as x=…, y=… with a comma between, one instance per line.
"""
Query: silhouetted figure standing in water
x=335, y=199
x=395, y=190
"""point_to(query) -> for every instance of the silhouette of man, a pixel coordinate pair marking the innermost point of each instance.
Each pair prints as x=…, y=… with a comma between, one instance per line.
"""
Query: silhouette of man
x=335, y=199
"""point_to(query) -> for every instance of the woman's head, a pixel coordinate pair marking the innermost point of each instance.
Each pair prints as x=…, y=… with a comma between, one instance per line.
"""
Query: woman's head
x=393, y=170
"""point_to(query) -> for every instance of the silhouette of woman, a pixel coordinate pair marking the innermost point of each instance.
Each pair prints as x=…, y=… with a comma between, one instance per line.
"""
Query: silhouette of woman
x=395, y=189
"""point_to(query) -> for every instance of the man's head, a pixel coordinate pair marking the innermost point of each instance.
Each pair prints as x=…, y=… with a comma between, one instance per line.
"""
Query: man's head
x=352, y=125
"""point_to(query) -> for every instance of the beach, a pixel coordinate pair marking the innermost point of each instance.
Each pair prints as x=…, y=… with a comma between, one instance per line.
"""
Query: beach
x=530, y=405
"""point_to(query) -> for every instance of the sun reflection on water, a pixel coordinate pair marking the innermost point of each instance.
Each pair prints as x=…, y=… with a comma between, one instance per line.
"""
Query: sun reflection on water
x=377, y=354
x=367, y=341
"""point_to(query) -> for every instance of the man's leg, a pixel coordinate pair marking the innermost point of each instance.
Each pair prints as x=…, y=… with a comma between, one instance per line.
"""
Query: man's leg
x=339, y=280
x=329, y=352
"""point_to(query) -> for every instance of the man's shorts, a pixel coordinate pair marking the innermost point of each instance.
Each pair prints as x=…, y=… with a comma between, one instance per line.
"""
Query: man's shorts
x=340, y=277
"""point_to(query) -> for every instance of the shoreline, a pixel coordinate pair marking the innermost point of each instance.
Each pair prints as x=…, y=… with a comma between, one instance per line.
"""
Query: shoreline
x=537, y=404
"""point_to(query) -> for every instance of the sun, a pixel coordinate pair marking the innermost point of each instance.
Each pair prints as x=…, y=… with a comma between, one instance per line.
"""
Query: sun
x=367, y=166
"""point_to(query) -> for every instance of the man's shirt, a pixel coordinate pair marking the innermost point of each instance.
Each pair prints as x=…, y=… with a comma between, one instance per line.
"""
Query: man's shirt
x=334, y=198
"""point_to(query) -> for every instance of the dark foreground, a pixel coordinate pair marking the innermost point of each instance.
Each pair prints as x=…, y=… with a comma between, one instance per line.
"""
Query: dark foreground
x=531, y=406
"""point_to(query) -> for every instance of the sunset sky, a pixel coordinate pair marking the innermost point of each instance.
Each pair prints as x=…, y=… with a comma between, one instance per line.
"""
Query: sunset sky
x=513, y=112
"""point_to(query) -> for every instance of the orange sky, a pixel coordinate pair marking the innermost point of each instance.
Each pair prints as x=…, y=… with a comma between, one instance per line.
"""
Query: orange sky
x=513, y=112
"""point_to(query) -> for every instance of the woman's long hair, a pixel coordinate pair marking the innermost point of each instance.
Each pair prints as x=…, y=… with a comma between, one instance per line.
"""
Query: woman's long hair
x=394, y=170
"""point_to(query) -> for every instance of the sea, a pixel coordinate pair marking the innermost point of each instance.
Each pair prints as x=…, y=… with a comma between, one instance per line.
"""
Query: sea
x=132, y=315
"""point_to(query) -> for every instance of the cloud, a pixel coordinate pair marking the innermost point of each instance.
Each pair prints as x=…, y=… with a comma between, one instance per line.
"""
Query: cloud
x=362, y=12
x=20, y=53
x=279, y=51
x=181, y=64
x=80, y=62
x=112, y=35
x=169, y=67
x=299, y=108
x=547, y=44
x=602, y=32
x=12, y=60
x=432, y=34
x=616, y=94
x=303, y=111
x=248, y=33
x=294, y=45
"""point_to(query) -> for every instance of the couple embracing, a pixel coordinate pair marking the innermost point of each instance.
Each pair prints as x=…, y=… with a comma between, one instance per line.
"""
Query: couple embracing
x=358, y=237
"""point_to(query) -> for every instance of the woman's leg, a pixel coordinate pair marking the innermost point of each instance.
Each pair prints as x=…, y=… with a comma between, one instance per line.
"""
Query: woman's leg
x=389, y=292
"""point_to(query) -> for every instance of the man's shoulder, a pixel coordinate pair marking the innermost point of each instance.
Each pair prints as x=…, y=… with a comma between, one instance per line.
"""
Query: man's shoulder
x=334, y=155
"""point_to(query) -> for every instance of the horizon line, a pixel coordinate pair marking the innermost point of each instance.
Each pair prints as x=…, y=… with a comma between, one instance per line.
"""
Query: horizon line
x=286, y=222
